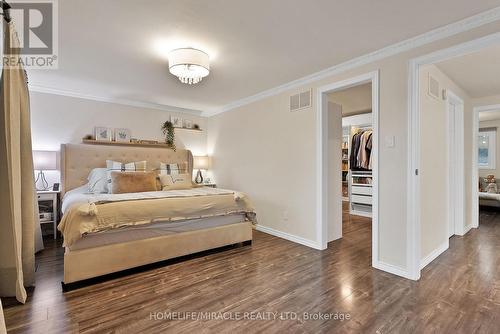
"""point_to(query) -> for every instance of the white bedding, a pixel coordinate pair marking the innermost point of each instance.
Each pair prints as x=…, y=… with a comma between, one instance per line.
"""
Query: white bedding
x=80, y=195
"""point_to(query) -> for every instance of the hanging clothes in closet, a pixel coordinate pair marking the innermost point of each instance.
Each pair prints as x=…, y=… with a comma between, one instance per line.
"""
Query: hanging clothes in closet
x=361, y=149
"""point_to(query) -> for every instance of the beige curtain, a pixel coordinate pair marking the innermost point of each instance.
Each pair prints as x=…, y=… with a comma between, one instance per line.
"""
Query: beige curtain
x=18, y=206
x=3, y=329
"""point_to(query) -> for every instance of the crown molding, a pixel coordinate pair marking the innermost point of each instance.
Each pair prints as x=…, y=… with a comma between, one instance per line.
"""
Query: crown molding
x=133, y=103
x=451, y=29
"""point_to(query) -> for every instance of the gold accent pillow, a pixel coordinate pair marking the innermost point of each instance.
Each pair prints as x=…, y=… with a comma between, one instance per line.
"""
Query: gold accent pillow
x=132, y=182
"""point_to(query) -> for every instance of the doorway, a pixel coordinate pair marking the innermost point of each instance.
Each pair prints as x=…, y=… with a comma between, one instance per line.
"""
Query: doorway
x=417, y=235
x=331, y=220
x=479, y=130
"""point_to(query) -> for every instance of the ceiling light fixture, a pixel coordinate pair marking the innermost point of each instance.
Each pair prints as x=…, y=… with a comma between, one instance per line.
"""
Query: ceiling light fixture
x=189, y=65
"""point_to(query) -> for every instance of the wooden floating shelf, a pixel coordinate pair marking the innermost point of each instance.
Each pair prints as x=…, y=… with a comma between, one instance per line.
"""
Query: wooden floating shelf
x=188, y=129
x=120, y=143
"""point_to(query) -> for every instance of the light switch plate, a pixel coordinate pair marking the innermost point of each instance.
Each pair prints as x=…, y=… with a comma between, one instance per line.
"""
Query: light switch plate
x=390, y=141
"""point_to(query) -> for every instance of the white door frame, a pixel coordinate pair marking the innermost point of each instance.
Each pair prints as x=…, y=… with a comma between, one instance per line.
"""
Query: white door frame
x=475, y=163
x=413, y=195
x=322, y=167
x=456, y=180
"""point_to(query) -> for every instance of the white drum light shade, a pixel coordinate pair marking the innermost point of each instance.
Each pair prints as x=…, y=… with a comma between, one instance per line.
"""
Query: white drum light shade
x=200, y=162
x=189, y=65
x=44, y=160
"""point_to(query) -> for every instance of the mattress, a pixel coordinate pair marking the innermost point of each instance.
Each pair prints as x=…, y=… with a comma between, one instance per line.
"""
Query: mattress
x=148, y=231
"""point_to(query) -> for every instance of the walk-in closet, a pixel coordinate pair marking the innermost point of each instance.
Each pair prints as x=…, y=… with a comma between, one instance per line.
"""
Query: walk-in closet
x=356, y=146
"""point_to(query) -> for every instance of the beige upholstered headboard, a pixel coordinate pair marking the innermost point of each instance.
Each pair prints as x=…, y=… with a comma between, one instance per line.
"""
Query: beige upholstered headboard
x=77, y=160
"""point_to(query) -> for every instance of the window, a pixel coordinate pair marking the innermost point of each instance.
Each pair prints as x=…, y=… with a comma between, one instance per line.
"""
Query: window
x=486, y=152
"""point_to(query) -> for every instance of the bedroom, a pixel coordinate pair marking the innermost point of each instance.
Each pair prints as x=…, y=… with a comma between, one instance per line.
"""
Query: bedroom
x=251, y=121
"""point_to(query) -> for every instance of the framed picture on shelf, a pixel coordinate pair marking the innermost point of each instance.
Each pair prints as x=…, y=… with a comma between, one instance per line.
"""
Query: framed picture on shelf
x=176, y=121
x=122, y=135
x=103, y=133
x=188, y=124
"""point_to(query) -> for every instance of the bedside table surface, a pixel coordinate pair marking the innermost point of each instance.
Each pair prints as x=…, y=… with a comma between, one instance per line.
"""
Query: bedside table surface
x=47, y=191
x=211, y=185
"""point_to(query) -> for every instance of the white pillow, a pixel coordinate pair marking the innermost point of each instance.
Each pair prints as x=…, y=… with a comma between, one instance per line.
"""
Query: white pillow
x=173, y=169
x=97, y=181
x=175, y=182
x=129, y=166
x=118, y=166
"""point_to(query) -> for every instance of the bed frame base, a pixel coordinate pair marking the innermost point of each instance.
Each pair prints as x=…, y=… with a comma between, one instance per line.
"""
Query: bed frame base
x=82, y=265
x=66, y=287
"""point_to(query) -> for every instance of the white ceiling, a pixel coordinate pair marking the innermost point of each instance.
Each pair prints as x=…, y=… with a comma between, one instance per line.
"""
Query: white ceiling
x=354, y=100
x=116, y=48
x=477, y=73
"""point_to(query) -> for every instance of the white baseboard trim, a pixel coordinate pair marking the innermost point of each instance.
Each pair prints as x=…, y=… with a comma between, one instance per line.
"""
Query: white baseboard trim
x=288, y=236
x=434, y=254
x=466, y=229
x=391, y=269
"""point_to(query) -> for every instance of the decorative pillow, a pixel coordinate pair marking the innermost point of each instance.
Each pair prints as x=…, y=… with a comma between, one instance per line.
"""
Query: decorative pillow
x=492, y=188
x=173, y=169
x=132, y=182
x=97, y=181
x=483, y=184
x=176, y=182
x=119, y=166
x=129, y=166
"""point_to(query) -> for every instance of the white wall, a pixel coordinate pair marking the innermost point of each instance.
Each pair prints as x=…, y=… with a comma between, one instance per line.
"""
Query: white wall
x=263, y=149
x=434, y=165
x=486, y=101
x=334, y=176
x=56, y=120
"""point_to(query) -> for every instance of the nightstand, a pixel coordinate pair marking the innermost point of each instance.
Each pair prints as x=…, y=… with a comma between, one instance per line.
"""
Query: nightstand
x=45, y=197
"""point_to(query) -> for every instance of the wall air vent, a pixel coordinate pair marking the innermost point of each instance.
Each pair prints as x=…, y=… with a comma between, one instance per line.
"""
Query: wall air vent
x=433, y=87
x=301, y=100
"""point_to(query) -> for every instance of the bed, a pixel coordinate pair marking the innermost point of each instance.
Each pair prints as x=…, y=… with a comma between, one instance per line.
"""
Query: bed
x=489, y=199
x=108, y=233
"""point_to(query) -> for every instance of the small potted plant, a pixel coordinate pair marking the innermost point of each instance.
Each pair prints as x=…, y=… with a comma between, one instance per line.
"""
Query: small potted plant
x=169, y=132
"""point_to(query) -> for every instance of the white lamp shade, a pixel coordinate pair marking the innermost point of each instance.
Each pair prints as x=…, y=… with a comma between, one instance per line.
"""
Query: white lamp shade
x=45, y=160
x=201, y=162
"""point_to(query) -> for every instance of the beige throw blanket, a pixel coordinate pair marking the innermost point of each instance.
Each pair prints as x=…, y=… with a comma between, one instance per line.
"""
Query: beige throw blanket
x=111, y=212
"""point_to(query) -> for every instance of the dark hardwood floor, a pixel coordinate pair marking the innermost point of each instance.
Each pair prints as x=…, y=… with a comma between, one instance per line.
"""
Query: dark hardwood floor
x=458, y=293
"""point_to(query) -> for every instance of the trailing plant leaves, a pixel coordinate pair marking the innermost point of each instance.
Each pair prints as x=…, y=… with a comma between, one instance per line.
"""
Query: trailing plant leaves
x=169, y=132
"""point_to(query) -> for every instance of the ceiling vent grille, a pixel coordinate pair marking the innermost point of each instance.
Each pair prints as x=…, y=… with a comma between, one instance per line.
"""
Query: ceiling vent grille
x=301, y=100
x=433, y=87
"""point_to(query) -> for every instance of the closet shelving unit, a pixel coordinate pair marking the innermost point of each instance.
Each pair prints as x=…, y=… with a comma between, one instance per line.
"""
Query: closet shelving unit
x=345, y=163
x=359, y=182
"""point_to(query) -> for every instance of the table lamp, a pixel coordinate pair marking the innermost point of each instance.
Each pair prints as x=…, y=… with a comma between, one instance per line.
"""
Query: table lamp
x=42, y=161
x=200, y=163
